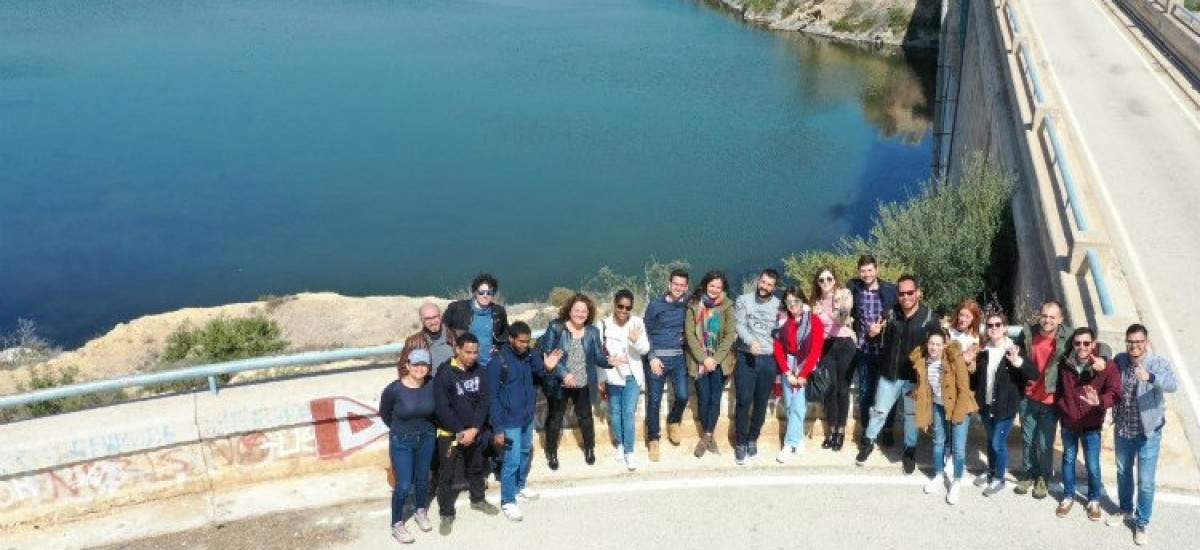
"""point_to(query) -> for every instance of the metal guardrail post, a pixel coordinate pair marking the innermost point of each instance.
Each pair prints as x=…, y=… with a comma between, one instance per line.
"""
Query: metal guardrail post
x=212, y=384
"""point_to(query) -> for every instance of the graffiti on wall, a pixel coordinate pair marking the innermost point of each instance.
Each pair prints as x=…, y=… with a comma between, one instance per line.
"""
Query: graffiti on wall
x=339, y=427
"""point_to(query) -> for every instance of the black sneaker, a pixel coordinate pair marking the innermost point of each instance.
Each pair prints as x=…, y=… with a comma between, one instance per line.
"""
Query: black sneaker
x=752, y=449
x=486, y=507
x=910, y=460
x=739, y=454
x=864, y=451
x=446, y=525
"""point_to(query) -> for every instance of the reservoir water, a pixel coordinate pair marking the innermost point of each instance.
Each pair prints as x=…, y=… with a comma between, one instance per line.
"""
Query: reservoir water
x=158, y=154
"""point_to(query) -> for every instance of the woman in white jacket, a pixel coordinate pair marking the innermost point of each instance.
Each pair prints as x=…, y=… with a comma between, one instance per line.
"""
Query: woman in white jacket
x=624, y=337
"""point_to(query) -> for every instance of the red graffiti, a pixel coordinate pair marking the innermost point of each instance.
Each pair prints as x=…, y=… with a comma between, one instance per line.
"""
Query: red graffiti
x=343, y=426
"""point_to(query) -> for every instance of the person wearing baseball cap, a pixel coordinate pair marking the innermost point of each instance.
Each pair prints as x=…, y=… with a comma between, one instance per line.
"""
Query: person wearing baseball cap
x=407, y=407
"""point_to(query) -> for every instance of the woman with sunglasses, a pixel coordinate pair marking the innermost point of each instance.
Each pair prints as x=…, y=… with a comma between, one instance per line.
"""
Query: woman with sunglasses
x=798, y=344
x=833, y=304
x=407, y=409
x=480, y=315
x=943, y=398
x=709, y=333
x=575, y=378
x=999, y=383
x=624, y=337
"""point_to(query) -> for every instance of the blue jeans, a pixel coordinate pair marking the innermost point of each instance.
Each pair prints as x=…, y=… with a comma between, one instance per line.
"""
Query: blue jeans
x=997, y=443
x=1144, y=450
x=1038, y=423
x=622, y=403
x=709, y=388
x=868, y=374
x=753, y=381
x=958, y=441
x=1091, y=459
x=518, y=451
x=797, y=408
x=411, y=455
x=674, y=369
x=887, y=392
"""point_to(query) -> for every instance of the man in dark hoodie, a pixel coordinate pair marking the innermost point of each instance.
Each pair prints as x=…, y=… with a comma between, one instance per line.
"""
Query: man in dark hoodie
x=903, y=329
x=461, y=401
x=511, y=376
x=1088, y=386
x=664, y=328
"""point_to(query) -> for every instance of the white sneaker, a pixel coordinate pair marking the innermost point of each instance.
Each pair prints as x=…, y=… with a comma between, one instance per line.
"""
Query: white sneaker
x=994, y=488
x=785, y=454
x=983, y=480
x=527, y=494
x=955, y=489
x=631, y=461
x=619, y=455
x=512, y=512
x=936, y=482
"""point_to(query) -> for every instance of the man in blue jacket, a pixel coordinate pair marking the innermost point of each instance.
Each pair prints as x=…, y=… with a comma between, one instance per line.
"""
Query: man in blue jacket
x=461, y=403
x=664, y=329
x=511, y=375
x=1139, y=419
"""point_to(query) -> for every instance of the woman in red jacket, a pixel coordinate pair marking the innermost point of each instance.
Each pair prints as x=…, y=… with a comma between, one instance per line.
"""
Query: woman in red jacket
x=798, y=343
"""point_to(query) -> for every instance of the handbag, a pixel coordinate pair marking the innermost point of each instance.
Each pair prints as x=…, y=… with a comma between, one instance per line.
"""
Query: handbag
x=819, y=381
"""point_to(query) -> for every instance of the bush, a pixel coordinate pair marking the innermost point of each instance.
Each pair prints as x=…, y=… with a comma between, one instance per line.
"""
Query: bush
x=800, y=268
x=946, y=234
x=897, y=18
x=559, y=296
x=24, y=346
x=46, y=377
x=220, y=340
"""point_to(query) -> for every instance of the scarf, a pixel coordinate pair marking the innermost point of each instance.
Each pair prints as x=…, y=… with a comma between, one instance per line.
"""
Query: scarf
x=803, y=337
x=1085, y=369
x=708, y=323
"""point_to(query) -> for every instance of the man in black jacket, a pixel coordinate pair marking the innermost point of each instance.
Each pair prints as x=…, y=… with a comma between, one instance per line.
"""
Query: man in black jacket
x=904, y=329
x=461, y=402
x=481, y=316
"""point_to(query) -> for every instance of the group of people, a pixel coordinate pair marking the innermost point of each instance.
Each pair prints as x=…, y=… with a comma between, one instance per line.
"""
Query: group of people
x=468, y=384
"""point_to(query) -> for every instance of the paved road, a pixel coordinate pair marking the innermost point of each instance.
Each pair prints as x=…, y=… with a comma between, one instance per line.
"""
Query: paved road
x=743, y=509
x=1141, y=141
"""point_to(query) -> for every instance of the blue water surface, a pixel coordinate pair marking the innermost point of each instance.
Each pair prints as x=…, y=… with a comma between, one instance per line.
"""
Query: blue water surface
x=159, y=154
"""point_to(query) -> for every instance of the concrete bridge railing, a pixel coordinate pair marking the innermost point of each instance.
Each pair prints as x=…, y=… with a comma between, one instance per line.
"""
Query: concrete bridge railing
x=1036, y=140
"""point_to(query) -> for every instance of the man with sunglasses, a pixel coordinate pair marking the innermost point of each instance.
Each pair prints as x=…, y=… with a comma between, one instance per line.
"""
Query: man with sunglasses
x=1087, y=387
x=1046, y=343
x=481, y=316
x=1139, y=420
x=903, y=329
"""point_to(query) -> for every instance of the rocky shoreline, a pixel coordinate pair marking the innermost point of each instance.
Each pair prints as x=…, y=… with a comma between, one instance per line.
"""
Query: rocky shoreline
x=907, y=23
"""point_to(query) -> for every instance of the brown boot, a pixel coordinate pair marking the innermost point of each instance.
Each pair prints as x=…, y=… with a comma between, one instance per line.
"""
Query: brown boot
x=653, y=445
x=673, y=434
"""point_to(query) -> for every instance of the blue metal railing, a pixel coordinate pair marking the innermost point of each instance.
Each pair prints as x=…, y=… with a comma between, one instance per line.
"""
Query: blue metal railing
x=1033, y=76
x=211, y=372
x=1106, y=305
x=1064, y=167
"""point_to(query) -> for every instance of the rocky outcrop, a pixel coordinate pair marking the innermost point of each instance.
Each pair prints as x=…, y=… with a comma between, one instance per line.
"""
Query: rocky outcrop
x=912, y=23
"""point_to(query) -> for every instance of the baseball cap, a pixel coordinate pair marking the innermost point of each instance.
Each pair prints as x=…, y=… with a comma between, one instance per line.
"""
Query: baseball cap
x=419, y=356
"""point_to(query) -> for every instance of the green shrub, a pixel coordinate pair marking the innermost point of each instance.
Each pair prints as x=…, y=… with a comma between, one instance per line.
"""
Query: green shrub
x=559, y=296
x=760, y=6
x=1193, y=5
x=947, y=234
x=220, y=340
x=897, y=18
x=800, y=268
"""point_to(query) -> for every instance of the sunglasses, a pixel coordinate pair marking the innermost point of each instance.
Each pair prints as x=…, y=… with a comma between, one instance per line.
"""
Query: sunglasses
x=485, y=292
x=1082, y=343
x=995, y=325
x=621, y=307
x=825, y=279
x=907, y=292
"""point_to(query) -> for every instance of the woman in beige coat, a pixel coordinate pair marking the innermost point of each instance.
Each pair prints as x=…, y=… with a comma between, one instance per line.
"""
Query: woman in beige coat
x=944, y=399
x=709, y=333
